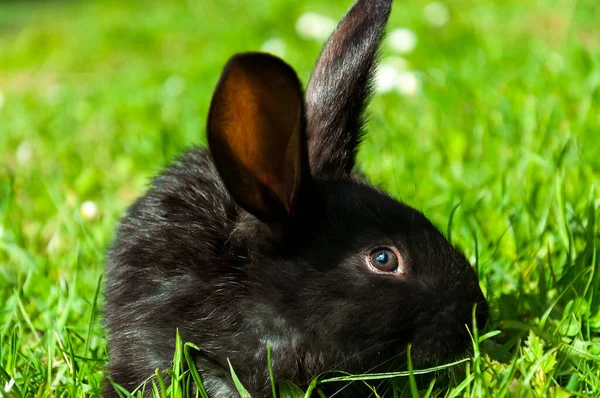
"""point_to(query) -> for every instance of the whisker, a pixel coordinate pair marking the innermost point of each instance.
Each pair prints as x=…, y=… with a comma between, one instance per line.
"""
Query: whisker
x=387, y=389
x=378, y=388
x=368, y=371
x=349, y=358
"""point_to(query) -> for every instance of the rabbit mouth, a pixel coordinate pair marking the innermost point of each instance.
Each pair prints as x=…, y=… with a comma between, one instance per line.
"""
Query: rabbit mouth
x=448, y=335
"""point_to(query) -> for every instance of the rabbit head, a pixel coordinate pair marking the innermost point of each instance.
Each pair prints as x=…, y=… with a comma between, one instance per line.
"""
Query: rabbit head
x=354, y=273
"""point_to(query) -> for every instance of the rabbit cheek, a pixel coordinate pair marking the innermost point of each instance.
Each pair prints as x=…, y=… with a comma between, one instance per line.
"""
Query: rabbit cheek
x=446, y=333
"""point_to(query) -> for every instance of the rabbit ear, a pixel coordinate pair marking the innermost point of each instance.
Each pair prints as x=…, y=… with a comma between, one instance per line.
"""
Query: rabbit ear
x=339, y=88
x=255, y=134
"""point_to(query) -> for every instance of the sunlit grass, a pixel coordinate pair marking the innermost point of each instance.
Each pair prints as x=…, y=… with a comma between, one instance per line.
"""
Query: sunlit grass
x=497, y=144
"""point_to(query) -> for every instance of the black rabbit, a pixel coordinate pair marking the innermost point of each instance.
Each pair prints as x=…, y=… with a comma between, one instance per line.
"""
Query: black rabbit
x=270, y=237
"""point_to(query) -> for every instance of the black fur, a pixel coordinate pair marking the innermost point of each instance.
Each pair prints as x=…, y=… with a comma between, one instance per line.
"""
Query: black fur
x=340, y=88
x=188, y=256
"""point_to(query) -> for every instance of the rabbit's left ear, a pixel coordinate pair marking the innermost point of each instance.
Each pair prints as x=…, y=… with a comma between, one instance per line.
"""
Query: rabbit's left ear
x=339, y=88
x=256, y=134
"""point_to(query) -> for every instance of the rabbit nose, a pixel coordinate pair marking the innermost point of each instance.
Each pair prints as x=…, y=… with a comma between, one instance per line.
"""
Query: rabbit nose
x=481, y=312
x=475, y=299
x=462, y=312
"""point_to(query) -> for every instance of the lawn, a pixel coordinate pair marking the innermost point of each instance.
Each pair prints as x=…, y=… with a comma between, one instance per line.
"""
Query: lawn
x=491, y=129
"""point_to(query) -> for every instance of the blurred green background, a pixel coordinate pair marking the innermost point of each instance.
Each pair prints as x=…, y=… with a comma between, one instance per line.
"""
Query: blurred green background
x=487, y=118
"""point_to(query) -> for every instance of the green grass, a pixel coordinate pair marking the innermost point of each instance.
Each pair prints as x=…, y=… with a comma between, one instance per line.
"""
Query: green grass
x=500, y=148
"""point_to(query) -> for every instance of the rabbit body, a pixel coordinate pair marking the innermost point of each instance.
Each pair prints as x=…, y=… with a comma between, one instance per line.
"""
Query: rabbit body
x=270, y=238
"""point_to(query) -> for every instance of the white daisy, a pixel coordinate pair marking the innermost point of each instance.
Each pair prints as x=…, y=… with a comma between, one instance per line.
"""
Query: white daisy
x=315, y=26
x=89, y=210
x=393, y=76
x=386, y=78
x=408, y=83
x=436, y=14
x=275, y=46
x=402, y=40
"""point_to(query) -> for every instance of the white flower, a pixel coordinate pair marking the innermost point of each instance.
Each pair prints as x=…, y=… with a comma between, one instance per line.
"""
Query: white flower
x=1, y=232
x=393, y=76
x=275, y=46
x=408, y=83
x=1, y=99
x=386, y=78
x=89, y=210
x=314, y=26
x=24, y=153
x=402, y=40
x=397, y=62
x=9, y=385
x=174, y=85
x=436, y=14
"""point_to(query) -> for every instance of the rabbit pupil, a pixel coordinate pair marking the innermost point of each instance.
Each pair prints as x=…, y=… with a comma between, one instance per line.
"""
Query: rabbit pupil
x=384, y=260
x=383, y=257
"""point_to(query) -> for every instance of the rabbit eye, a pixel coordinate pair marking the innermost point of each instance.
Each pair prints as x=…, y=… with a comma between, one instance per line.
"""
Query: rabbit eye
x=385, y=259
